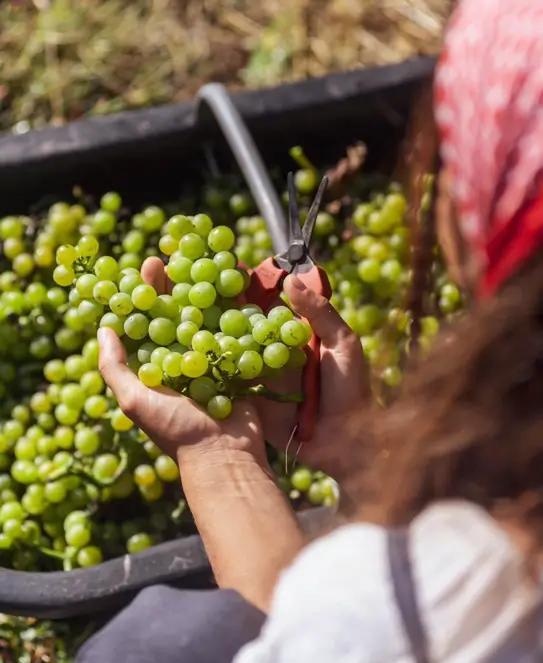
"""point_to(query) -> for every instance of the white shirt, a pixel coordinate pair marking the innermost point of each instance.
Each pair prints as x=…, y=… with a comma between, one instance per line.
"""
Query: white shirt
x=336, y=603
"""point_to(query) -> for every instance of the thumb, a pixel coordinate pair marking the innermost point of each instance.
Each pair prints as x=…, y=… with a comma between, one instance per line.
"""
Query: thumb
x=321, y=315
x=112, y=364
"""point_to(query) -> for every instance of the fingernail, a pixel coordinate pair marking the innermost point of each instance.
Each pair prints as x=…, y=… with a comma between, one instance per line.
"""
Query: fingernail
x=297, y=283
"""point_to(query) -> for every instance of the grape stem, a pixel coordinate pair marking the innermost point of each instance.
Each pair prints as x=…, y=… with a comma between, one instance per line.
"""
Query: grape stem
x=262, y=390
x=299, y=156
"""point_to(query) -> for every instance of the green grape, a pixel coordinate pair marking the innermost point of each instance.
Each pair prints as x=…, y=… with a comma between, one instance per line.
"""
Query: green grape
x=78, y=535
x=138, y=543
x=392, y=376
x=87, y=441
x=54, y=370
x=111, y=201
x=204, y=269
x=120, y=422
x=265, y=332
x=89, y=556
x=144, y=476
x=92, y=383
x=85, y=285
x=55, y=492
x=25, y=449
x=76, y=518
x=166, y=469
x=121, y=304
x=250, y=365
x=185, y=332
x=221, y=238
x=229, y=344
x=73, y=396
x=88, y=313
x=145, y=351
x=13, y=430
x=276, y=355
x=301, y=479
x=162, y=331
x=293, y=333
x=195, y=364
x=369, y=270
x=158, y=355
x=224, y=259
x=129, y=282
x=192, y=246
x=150, y=375
x=103, y=222
x=75, y=366
x=66, y=416
x=144, y=296
x=212, y=316
x=202, y=295
x=202, y=225
x=96, y=406
x=24, y=471
x=105, y=467
x=63, y=275
x=230, y=283
x=179, y=225
x=134, y=242
x=23, y=264
x=165, y=307
x=103, y=291
x=279, y=315
x=247, y=342
x=179, y=267
x=21, y=413
x=202, y=389
x=204, y=342
x=12, y=529
x=192, y=314
x=172, y=364
x=113, y=321
x=90, y=352
x=219, y=407
x=233, y=323
x=180, y=293
x=64, y=437
x=153, y=219
x=136, y=326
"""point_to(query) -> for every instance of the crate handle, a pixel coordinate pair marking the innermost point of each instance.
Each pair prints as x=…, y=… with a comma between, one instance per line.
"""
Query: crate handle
x=217, y=98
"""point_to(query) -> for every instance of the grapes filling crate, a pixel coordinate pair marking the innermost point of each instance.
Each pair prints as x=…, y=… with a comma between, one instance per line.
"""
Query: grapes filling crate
x=69, y=457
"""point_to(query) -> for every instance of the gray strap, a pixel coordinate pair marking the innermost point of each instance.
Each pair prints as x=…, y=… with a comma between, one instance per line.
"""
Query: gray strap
x=403, y=583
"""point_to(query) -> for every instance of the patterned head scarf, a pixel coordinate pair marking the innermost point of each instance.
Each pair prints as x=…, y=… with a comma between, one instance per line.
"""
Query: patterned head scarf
x=489, y=110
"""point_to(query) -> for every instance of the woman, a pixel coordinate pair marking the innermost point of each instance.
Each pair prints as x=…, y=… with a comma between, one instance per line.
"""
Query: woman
x=459, y=457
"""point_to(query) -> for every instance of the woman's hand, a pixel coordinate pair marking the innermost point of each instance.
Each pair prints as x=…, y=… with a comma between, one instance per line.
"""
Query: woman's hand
x=175, y=422
x=345, y=389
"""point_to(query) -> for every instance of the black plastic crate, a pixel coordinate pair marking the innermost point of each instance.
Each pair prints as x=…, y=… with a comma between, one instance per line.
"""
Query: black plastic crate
x=151, y=156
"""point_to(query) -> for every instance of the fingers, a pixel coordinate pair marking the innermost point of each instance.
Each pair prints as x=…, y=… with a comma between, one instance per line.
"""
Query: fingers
x=321, y=315
x=153, y=273
x=112, y=364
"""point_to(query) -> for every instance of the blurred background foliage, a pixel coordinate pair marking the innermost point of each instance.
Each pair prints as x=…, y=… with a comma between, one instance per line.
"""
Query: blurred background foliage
x=62, y=59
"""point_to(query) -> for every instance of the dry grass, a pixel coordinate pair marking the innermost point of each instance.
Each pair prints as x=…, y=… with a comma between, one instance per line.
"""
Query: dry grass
x=60, y=59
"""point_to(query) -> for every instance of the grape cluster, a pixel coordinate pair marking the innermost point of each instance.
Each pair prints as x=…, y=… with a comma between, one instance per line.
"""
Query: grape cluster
x=196, y=339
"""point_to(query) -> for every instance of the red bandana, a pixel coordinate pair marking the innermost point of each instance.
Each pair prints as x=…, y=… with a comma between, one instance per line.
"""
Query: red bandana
x=489, y=109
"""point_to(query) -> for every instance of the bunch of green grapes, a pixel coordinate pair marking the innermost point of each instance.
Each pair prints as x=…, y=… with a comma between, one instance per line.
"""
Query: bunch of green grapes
x=196, y=339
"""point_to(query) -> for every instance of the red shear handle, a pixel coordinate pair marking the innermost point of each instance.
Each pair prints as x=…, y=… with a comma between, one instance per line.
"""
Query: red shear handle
x=317, y=280
x=265, y=285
